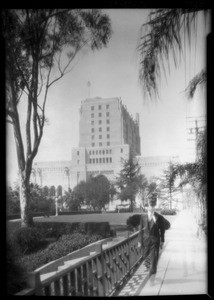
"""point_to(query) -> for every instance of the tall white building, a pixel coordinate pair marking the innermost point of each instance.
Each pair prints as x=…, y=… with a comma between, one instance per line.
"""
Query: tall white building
x=107, y=134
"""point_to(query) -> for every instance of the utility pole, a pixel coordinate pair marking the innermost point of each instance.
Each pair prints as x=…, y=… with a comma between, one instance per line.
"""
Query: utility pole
x=194, y=130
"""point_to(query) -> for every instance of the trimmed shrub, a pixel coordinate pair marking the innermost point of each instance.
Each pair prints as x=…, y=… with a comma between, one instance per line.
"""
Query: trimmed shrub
x=56, y=229
x=15, y=273
x=79, y=212
x=101, y=228
x=123, y=210
x=133, y=221
x=65, y=245
x=27, y=238
x=168, y=211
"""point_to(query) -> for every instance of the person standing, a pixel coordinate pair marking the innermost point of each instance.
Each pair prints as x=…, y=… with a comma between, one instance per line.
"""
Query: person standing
x=151, y=234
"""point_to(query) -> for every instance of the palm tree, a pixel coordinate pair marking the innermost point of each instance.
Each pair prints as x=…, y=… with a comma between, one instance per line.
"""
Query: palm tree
x=167, y=30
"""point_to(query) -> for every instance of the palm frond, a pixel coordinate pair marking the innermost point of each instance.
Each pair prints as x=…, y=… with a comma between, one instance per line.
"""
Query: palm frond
x=160, y=36
x=199, y=79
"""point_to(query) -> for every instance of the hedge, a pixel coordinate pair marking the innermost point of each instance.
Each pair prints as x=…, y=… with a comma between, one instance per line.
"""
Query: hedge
x=64, y=245
x=134, y=220
x=168, y=211
x=34, y=214
x=16, y=275
x=79, y=212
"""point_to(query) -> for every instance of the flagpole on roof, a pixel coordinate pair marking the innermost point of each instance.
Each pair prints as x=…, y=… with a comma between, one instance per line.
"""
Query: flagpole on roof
x=89, y=85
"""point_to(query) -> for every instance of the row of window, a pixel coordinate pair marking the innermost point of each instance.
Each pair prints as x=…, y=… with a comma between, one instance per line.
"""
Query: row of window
x=101, y=160
x=100, y=107
x=100, y=129
x=155, y=164
x=104, y=151
x=100, y=122
x=100, y=136
x=100, y=144
x=100, y=115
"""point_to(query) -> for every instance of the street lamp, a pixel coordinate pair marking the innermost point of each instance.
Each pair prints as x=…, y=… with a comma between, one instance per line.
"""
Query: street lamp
x=56, y=205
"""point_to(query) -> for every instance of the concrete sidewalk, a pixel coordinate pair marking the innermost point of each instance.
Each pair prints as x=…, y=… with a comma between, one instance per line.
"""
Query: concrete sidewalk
x=182, y=267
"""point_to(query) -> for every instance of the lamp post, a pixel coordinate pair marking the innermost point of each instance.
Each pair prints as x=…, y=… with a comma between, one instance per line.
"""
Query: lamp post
x=67, y=173
x=56, y=205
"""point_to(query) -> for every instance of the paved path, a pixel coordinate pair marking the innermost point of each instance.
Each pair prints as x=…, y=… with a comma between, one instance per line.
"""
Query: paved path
x=182, y=266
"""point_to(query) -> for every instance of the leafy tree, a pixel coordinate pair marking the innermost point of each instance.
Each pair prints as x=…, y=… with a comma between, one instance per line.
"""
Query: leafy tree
x=38, y=201
x=45, y=191
x=78, y=195
x=129, y=180
x=59, y=191
x=112, y=190
x=98, y=191
x=13, y=202
x=195, y=174
x=72, y=201
x=165, y=32
x=52, y=191
x=167, y=184
x=35, y=40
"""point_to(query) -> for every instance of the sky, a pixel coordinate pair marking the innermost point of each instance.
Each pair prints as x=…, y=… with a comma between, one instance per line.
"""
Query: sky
x=113, y=72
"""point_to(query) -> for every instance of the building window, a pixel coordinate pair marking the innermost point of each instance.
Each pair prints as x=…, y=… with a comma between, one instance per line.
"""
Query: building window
x=92, y=122
x=103, y=151
x=108, y=136
x=92, y=144
x=100, y=121
x=100, y=129
x=99, y=151
x=121, y=150
x=100, y=160
x=78, y=153
x=93, y=160
x=107, y=114
x=97, y=160
x=107, y=106
x=92, y=107
x=92, y=137
x=92, y=129
x=100, y=106
x=108, y=128
x=110, y=151
x=100, y=136
x=110, y=160
x=100, y=144
x=92, y=115
x=100, y=114
x=90, y=152
x=90, y=160
x=108, y=143
x=108, y=121
x=104, y=159
x=107, y=159
x=93, y=152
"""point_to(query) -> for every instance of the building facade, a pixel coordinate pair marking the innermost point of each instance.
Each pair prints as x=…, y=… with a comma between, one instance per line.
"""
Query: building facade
x=153, y=166
x=107, y=134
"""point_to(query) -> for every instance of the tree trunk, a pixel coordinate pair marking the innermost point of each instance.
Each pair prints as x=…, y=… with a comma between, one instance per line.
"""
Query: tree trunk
x=26, y=217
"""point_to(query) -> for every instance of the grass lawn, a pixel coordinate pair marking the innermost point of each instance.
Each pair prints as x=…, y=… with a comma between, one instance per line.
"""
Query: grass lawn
x=117, y=221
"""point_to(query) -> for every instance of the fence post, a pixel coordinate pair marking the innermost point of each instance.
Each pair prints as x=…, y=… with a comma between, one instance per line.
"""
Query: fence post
x=99, y=249
x=33, y=281
x=129, y=254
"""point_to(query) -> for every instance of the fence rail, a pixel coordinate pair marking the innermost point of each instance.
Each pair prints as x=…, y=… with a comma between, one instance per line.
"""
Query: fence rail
x=99, y=274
